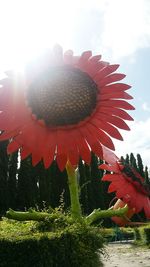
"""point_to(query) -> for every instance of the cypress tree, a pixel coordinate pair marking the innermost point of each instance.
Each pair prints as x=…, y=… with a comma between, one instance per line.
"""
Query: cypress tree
x=127, y=159
x=93, y=190
x=83, y=184
x=52, y=184
x=59, y=181
x=146, y=176
x=90, y=198
x=3, y=177
x=133, y=161
x=140, y=165
x=122, y=159
x=44, y=186
x=27, y=189
x=96, y=183
x=12, y=179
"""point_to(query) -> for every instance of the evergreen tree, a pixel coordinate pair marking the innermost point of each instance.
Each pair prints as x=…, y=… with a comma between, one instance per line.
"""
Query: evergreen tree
x=127, y=159
x=3, y=177
x=52, y=184
x=12, y=179
x=122, y=159
x=92, y=193
x=140, y=165
x=96, y=184
x=27, y=189
x=84, y=180
x=146, y=176
x=133, y=161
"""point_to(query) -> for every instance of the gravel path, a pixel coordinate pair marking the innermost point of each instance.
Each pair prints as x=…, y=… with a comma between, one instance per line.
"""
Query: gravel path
x=126, y=255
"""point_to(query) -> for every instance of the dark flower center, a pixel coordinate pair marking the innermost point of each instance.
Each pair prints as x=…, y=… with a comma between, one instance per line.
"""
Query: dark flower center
x=62, y=96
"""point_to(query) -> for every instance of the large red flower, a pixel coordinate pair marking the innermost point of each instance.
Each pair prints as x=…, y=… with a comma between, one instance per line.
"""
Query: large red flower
x=129, y=186
x=63, y=107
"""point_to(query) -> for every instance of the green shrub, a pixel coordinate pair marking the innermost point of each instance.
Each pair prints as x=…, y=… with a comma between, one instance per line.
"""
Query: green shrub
x=68, y=244
x=117, y=233
x=147, y=235
x=137, y=234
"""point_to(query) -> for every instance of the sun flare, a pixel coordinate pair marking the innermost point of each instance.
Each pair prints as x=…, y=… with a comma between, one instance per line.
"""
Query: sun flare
x=28, y=29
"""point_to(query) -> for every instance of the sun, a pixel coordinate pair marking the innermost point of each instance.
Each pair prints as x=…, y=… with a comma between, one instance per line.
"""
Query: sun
x=30, y=27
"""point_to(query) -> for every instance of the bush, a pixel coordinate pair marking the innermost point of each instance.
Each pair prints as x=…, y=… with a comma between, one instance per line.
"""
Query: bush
x=147, y=235
x=75, y=244
x=117, y=234
x=137, y=234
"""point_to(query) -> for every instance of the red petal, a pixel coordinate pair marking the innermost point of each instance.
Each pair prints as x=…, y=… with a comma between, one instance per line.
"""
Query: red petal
x=111, y=78
x=86, y=55
x=115, y=87
x=109, y=156
x=121, y=94
x=25, y=152
x=97, y=149
x=92, y=141
x=108, y=128
x=73, y=153
x=110, y=177
x=83, y=60
x=84, y=150
x=105, y=71
x=102, y=137
x=93, y=69
x=115, y=111
x=61, y=161
x=115, y=121
x=5, y=120
x=12, y=147
x=95, y=58
x=111, y=168
x=111, y=188
x=50, y=148
x=36, y=158
x=49, y=157
x=117, y=103
x=73, y=156
x=7, y=135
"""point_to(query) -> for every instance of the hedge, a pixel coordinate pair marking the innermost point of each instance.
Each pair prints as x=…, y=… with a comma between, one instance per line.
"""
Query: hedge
x=147, y=235
x=142, y=235
x=23, y=245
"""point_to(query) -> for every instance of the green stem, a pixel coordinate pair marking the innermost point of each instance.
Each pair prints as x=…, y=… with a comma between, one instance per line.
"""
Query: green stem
x=74, y=191
x=41, y=216
x=100, y=214
x=27, y=216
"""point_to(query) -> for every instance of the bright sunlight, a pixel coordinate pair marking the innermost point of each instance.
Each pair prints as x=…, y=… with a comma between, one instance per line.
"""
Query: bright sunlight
x=29, y=27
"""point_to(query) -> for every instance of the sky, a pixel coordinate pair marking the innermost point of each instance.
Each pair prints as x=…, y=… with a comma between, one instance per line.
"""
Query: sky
x=117, y=29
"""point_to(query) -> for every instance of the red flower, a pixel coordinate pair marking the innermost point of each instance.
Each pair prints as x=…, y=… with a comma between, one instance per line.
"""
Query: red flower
x=63, y=108
x=129, y=186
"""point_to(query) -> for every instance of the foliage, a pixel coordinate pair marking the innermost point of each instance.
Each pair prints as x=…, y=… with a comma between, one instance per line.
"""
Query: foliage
x=142, y=235
x=3, y=177
x=110, y=234
x=67, y=244
x=137, y=235
x=147, y=235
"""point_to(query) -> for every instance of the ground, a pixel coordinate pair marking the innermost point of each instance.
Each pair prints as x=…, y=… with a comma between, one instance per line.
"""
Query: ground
x=126, y=255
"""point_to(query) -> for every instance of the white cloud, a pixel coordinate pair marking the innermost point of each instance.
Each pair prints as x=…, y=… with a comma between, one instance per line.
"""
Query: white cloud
x=146, y=107
x=126, y=27
x=136, y=141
